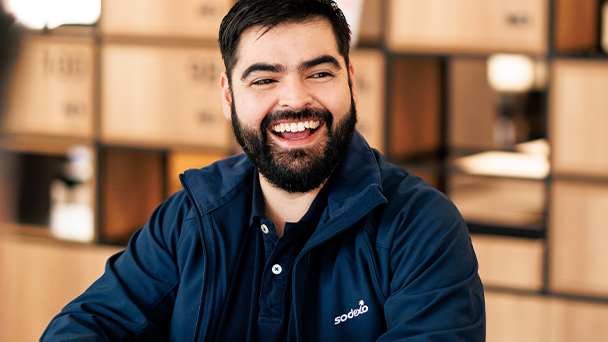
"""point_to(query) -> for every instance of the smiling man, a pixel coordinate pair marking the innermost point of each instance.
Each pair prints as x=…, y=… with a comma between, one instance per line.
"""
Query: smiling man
x=310, y=235
x=291, y=102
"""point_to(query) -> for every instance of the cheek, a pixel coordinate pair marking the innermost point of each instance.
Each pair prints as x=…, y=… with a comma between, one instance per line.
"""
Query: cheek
x=251, y=110
x=338, y=103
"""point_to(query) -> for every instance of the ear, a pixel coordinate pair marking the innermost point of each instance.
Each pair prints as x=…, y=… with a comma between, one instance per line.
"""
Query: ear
x=351, y=74
x=226, y=96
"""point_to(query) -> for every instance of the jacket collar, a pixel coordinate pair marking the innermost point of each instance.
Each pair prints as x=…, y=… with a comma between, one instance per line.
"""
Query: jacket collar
x=355, y=190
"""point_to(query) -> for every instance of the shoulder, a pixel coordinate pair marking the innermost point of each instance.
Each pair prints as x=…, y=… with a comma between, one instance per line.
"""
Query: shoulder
x=404, y=190
x=420, y=234
x=212, y=186
x=414, y=208
x=170, y=222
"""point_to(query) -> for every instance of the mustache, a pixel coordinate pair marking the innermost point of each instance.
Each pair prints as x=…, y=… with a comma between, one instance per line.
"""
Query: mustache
x=306, y=113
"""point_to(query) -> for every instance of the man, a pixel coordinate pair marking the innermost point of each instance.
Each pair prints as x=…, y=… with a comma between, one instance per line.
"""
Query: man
x=309, y=236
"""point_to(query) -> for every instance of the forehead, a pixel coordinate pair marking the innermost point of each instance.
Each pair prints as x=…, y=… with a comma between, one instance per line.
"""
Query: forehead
x=287, y=42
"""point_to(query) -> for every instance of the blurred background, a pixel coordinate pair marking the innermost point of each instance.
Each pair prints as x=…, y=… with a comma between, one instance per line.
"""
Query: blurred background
x=501, y=105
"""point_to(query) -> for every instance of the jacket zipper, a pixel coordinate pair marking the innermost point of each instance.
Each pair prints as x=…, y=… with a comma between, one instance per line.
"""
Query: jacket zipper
x=203, y=312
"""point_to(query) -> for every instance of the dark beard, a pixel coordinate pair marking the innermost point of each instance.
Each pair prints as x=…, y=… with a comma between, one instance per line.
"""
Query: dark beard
x=297, y=169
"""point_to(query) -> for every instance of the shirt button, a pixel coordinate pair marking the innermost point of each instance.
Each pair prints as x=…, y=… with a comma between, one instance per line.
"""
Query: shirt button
x=277, y=269
x=264, y=229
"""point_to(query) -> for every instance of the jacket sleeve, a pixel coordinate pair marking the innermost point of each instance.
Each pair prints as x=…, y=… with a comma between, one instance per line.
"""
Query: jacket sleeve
x=133, y=299
x=435, y=291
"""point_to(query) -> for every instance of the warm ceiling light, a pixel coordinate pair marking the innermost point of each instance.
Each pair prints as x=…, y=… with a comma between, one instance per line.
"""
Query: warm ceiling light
x=511, y=73
x=38, y=14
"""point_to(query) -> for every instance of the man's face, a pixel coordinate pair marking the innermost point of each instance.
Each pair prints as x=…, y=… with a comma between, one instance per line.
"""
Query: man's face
x=290, y=103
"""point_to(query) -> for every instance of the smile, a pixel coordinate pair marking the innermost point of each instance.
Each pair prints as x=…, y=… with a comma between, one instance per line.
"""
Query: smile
x=296, y=130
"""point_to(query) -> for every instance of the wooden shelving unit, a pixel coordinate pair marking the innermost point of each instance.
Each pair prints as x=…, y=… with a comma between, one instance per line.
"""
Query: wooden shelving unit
x=141, y=92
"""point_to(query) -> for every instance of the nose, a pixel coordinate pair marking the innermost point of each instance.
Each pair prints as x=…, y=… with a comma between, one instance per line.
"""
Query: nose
x=295, y=94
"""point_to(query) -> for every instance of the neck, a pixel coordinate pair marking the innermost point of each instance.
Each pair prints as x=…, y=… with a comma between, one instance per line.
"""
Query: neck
x=282, y=206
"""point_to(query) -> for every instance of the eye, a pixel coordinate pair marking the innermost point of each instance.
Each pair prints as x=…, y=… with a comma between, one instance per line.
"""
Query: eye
x=263, y=81
x=322, y=74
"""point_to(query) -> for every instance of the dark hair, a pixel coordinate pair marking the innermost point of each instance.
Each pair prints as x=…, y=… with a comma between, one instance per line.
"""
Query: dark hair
x=271, y=13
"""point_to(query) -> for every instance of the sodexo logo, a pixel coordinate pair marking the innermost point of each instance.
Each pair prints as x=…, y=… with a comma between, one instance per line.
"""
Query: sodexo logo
x=352, y=313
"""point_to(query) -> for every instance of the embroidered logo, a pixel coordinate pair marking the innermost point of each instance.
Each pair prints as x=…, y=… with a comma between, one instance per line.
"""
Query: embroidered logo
x=352, y=313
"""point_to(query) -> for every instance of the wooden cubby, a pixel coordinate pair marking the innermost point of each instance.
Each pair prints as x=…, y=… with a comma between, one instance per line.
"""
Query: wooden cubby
x=415, y=107
x=28, y=167
x=141, y=93
x=132, y=183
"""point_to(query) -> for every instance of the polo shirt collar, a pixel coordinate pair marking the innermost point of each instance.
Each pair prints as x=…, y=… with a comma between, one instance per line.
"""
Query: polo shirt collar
x=312, y=216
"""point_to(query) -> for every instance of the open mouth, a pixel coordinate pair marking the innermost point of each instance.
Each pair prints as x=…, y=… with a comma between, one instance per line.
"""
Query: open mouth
x=295, y=130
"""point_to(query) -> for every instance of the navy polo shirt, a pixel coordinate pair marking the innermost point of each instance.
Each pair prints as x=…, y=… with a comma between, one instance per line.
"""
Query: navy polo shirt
x=258, y=306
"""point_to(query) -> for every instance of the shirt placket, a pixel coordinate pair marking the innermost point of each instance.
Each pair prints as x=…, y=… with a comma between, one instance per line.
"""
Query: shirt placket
x=280, y=254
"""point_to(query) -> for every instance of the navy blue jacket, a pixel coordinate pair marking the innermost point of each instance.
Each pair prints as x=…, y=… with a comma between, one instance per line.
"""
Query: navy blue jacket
x=391, y=260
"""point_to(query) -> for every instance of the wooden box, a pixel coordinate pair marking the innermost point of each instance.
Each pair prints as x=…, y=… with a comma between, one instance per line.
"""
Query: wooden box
x=162, y=96
x=52, y=91
x=371, y=22
x=132, y=184
x=468, y=26
x=577, y=321
x=514, y=318
x=163, y=18
x=510, y=262
x=578, y=228
x=575, y=25
x=415, y=107
x=473, y=105
x=369, y=70
x=180, y=161
x=578, y=117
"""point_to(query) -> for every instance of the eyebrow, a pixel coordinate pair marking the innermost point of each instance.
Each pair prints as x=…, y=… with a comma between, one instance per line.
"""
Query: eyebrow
x=320, y=60
x=262, y=67
x=303, y=66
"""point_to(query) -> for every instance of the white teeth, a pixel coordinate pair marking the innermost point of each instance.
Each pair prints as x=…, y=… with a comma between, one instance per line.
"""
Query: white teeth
x=296, y=127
